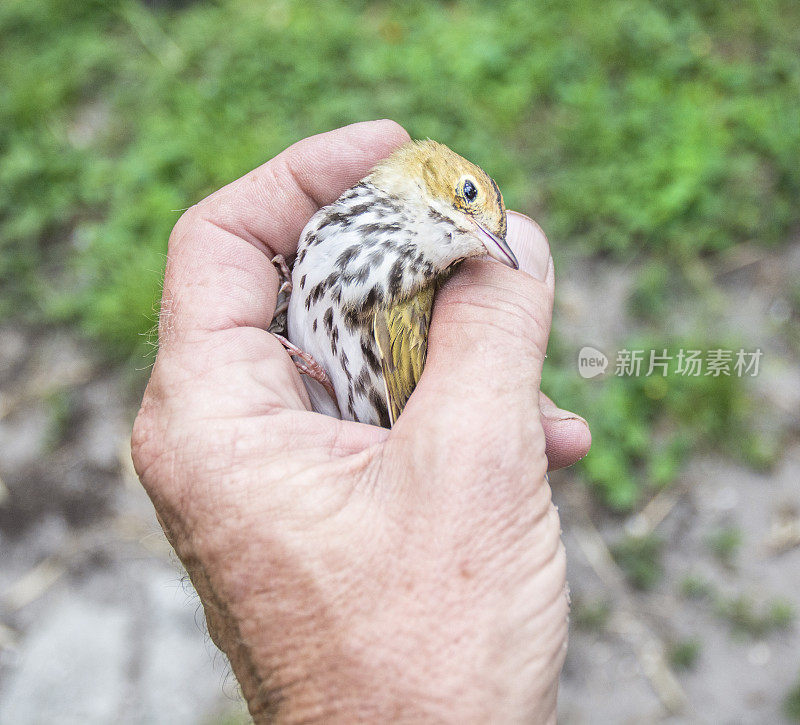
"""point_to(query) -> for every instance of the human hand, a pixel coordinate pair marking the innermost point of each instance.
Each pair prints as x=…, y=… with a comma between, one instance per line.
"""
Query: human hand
x=350, y=572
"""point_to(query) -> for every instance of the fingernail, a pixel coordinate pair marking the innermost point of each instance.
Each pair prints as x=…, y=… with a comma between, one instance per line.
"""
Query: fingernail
x=549, y=410
x=529, y=244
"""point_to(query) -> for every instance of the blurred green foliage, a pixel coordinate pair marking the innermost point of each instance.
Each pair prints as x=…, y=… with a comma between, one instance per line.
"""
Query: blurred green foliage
x=744, y=615
x=724, y=543
x=696, y=587
x=644, y=426
x=683, y=654
x=791, y=704
x=651, y=295
x=746, y=618
x=61, y=404
x=639, y=557
x=625, y=127
x=590, y=616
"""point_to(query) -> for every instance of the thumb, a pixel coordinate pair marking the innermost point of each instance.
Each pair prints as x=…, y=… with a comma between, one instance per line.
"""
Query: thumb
x=486, y=346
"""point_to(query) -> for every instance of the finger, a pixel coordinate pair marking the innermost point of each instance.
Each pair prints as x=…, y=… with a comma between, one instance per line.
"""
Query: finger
x=487, y=342
x=219, y=273
x=567, y=435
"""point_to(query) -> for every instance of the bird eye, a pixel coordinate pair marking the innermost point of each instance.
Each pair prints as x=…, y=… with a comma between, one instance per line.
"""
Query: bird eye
x=470, y=192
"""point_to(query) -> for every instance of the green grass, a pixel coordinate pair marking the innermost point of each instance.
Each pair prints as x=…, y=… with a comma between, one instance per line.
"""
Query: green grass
x=746, y=618
x=590, y=615
x=695, y=587
x=639, y=557
x=724, y=543
x=662, y=131
x=644, y=427
x=791, y=703
x=61, y=404
x=683, y=654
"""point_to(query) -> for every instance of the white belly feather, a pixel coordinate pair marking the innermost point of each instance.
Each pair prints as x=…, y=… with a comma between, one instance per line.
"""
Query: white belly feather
x=359, y=252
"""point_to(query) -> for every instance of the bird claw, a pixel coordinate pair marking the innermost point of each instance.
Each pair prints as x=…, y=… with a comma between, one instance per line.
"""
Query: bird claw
x=284, y=273
x=281, y=307
x=278, y=323
x=307, y=365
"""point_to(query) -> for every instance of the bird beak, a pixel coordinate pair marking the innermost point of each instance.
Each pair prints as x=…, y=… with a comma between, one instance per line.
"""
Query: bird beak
x=497, y=248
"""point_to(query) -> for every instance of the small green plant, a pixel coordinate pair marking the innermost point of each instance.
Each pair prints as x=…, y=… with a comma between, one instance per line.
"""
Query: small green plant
x=639, y=557
x=590, y=616
x=693, y=586
x=645, y=427
x=794, y=299
x=683, y=655
x=780, y=614
x=724, y=544
x=649, y=298
x=791, y=704
x=61, y=405
x=745, y=618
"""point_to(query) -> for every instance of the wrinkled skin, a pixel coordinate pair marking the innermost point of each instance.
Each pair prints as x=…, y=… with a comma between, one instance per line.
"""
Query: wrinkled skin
x=351, y=572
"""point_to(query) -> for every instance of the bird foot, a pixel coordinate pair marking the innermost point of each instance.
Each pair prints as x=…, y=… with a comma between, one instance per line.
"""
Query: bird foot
x=278, y=324
x=284, y=273
x=307, y=365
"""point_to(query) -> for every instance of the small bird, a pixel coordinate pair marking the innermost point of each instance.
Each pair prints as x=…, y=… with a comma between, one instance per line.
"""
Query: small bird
x=367, y=269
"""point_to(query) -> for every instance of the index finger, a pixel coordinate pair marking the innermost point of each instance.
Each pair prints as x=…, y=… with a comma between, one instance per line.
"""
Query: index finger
x=219, y=274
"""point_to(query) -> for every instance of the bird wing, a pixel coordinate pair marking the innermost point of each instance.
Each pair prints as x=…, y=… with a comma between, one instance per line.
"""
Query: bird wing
x=401, y=332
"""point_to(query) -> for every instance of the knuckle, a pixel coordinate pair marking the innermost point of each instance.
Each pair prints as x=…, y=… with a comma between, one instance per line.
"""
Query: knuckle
x=156, y=459
x=149, y=436
x=145, y=441
x=187, y=221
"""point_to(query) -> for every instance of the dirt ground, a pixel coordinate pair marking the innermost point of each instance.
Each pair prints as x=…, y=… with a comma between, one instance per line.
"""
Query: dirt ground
x=98, y=625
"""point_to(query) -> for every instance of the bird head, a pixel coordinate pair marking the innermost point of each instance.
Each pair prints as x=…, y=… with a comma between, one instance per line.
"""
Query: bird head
x=429, y=175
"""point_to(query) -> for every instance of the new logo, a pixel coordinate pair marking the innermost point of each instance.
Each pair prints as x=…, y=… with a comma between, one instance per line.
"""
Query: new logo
x=591, y=362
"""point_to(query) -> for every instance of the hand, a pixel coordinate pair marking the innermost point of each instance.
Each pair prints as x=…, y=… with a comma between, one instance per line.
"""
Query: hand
x=351, y=572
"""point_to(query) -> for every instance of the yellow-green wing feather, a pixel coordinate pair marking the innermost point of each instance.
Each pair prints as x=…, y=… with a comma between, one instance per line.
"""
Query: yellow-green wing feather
x=401, y=332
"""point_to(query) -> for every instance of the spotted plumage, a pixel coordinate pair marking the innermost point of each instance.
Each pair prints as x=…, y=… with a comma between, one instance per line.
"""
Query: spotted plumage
x=366, y=270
